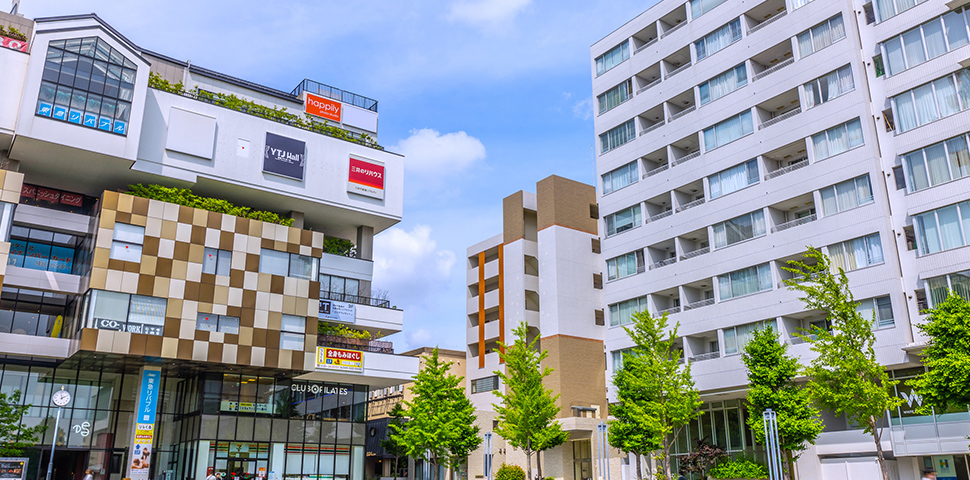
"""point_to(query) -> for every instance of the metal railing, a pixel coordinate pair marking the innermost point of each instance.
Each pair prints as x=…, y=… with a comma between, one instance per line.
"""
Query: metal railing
x=664, y=263
x=771, y=70
x=651, y=84
x=800, y=163
x=669, y=311
x=794, y=223
x=767, y=22
x=682, y=112
x=343, y=297
x=779, y=118
x=652, y=128
x=373, y=346
x=656, y=170
x=344, y=96
x=695, y=253
x=676, y=70
x=673, y=29
x=699, y=304
x=705, y=356
x=645, y=45
x=686, y=206
x=663, y=214
x=689, y=156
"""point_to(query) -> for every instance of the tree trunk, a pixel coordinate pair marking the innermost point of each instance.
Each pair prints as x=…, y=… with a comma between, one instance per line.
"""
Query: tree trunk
x=789, y=465
x=879, y=456
x=539, y=465
x=528, y=464
x=665, y=462
x=639, y=470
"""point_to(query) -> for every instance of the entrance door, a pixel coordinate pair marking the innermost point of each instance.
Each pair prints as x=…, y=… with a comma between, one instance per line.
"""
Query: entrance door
x=68, y=464
x=582, y=460
x=245, y=469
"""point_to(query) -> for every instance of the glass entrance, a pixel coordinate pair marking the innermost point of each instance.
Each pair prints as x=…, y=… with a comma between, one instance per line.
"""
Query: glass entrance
x=582, y=460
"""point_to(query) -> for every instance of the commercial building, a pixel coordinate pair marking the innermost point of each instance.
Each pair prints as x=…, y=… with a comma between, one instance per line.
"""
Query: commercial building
x=730, y=135
x=544, y=270
x=188, y=338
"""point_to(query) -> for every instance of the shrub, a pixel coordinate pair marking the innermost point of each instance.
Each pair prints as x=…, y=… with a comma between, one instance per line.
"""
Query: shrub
x=510, y=472
x=740, y=468
x=338, y=246
x=12, y=33
x=342, y=331
x=184, y=196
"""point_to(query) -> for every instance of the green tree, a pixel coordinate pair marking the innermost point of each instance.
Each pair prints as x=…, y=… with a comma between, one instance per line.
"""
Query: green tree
x=771, y=376
x=846, y=377
x=947, y=355
x=391, y=444
x=527, y=413
x=440, y=428
x=15, y=436
x=656, y=395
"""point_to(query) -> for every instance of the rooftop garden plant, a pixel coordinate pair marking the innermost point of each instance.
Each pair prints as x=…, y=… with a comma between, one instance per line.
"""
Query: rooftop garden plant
x=11, y=32
x=338, y=246
x=184, y=196
x=324, y=328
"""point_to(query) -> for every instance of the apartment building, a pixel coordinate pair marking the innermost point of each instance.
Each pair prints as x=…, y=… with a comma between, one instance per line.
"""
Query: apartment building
x=189, y=336
x=544, y=270
x=730, y=135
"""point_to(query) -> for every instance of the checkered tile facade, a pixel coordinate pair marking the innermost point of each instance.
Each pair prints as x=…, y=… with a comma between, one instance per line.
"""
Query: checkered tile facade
x=171, y=267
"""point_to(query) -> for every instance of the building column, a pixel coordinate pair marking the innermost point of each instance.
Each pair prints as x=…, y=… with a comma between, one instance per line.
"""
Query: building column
x=365, y=242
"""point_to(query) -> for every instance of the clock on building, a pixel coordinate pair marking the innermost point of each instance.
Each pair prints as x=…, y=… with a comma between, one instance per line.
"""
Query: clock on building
x=61, y=397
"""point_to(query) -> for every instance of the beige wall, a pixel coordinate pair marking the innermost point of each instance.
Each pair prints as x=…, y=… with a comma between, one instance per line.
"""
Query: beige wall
x=578, y=373
x=566, y=203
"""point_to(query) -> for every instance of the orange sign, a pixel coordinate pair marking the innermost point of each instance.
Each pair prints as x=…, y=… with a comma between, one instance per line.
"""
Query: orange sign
x=322, y=107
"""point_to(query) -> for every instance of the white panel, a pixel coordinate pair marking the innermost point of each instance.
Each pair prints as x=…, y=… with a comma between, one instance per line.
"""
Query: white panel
x=191, y=133
x=243, y=148
x=834, y=471
x=359, y=118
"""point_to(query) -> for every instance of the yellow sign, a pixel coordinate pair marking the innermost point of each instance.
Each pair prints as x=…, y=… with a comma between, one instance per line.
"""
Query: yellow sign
x=340, y=359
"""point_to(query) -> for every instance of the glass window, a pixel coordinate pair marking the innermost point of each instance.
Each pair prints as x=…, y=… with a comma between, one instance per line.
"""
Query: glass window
x=734, y=179
x=856, y=253
x=745, y=281
x=927, y=103
x=889, y=8
x=486, y=384
x=829, y=86
x=837, y=139
x=127, y=242
x=879, y=308
x=938, y=288
x=217, y=323
x=723, y=84
x=288, y=264
x=937, y=163
x=127, y=313
x=624, y=265
x=821, y=36
x=72, y=75
x=622, y=313
x=728, y=130
x=718, y=39
x=700, y=7
x=846, y=195
x=927, y=41
x=621, y=177
x=740, y=336
x=32, y=312
x=618, y=357
x=614, y=57
x=293, y=329
x=615, y=96
x=623, y=220
x=943, y=229
x=618, y=136
x=739, y=229
x=216, y=262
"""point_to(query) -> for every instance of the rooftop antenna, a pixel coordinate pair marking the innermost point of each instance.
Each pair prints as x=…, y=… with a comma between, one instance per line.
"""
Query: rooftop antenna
x=15, y=5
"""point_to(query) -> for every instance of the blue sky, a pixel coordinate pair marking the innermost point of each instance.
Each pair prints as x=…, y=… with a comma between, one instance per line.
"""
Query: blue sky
x=484, y=97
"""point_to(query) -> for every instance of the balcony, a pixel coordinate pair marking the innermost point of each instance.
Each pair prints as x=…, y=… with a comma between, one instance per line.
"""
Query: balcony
x=689, y=205
x=794, y=223
x=773, y=59
x=645, y=37
x=768, y=71
x=797, y=164
x=657, y=170
x=682, y=113
x=344, y=96
x=648, y=77
x=685, y=158
x=647, y=86
x=676, y=70
x=673, y=29
x=663, y=214
x=766, y=9
x=696, y=253
x=668, y=311
x=645, y=45
x=705, y=356
x=337, y=341
x=663, y=263
x=651, y=128
x=358, y=299
x=699, y=304
x=780, y=118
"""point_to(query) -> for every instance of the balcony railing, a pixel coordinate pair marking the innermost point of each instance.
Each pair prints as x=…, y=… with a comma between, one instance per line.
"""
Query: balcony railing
x=687, y=206
x=780, y=118
x=344, y=96
x=373, y=346
x=699, y=304
x=645, y=87
x=800, y=163
x=794, y=223
x=705, y=356
x=689, y=156
x=695, y=253
x=343, y=297
x=669, y=311
x=767, y=22
x=645, y=45
x=677, y=70
x=673, y=29
x=651, y=128
x=682, y=112
x=664, y=263
x=759, y=76
x=656, y=170
x=663, y=214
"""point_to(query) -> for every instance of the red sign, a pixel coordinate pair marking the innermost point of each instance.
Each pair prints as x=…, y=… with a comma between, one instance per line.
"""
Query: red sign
x=48, y=195
x=366, y=178
x=28, y=191
x=322, y=107
x=340, y=354
x=72, y=199
x=13, y=44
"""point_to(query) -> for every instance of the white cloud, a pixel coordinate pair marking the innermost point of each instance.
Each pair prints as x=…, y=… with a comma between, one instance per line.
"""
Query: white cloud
x=411, y=267
x=487, y=11
x=428, y=152
x=583, y=109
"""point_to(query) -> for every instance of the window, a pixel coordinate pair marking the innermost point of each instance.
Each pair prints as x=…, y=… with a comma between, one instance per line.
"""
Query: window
x=217, y=323
x=38, y=249
x=734, y=179
x=127, y=242
x=615, y=96
x=487, y=384
x=881, y=308
x=728, y=130
x=723, y=84
x=285, y=264
x=937, y=163
x=618, y=136
x=340, y=289
x=796, y=4
x=88, y=83
x=700, y=7
x=623, y=220
x=943, y=229
x=612, y=58
x=618, y=357
x=890, y=8
x=939, y=287
x=624, y=265
x=621, y=177
x=828, y=87
x=927, y=41
x=622, y=313
x=878, y=66
x=735, y=338
x=126, y=313
x=216, y=262
x=856, y=253
x=739, y=229
x=292, y=332
x=32, y=312
x=846, y=195
x=821, y=36
x=744, y=282
x=837, y=139
x=718, y=39
x=933, y=101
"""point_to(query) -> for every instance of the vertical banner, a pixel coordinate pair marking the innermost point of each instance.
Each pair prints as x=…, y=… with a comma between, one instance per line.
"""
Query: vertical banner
x=143, y=429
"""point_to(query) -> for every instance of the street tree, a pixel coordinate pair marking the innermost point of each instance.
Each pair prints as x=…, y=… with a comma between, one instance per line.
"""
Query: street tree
x=944, y=386
x=440, y=420
x=771, y=379
x=391, y=444
x=527, y=412
x=846, y=377
x=656, y=395
x=15, y=436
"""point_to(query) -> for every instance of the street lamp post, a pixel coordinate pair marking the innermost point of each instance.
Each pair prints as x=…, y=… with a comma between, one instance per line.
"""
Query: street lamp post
x=488, y=456
x=60, y=398
x=770, y=419
x=604, y=451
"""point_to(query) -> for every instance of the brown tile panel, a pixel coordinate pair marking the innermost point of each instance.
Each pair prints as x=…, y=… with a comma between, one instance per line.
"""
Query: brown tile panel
x=186, y=214
x=225, y=240
x=206, y=292
x=181, y=251
x=244, y=355
x=146, y=284
x=89, y=339
x=122, y=217
x=163, y=267
x=252, y=262
x=566, y=203
x=215, y=352
x=202, y=335
x=150, y=247
x=153, y=346
x=185, y=349
x=214, y=220
x=276, y=284
x=138, y=344
x=198, y=235
x=139, y=206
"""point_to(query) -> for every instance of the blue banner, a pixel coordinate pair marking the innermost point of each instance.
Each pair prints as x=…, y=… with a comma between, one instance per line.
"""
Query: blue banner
x=148, y=401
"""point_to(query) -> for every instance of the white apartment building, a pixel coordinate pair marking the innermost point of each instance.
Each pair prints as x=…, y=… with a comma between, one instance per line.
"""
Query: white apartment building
x=732, y=134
